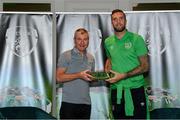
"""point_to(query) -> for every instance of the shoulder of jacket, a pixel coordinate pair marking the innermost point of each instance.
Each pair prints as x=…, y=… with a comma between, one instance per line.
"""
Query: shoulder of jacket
x=109, y=39
x=136, y=35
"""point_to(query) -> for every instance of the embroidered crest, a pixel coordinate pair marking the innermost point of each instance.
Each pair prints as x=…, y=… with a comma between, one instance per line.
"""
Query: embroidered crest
x=128, y=45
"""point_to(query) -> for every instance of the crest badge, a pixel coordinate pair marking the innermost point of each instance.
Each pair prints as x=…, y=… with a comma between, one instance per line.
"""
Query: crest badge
x=21, y=40
x=128, y=45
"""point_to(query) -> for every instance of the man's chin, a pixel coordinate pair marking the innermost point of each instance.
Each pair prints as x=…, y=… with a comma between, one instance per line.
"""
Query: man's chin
x=119, y=30
x=82, y=49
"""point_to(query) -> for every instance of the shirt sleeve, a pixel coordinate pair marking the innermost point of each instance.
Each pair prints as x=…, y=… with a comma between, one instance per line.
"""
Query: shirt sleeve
x=63, y=61
x=106, y=51
x=140, y=46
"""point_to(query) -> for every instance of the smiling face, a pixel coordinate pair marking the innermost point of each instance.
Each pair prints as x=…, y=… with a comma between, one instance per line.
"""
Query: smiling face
x=118, y=21
x=81, y=39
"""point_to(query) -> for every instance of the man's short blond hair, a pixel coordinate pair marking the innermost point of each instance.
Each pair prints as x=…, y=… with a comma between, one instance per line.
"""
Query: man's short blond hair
x=82, y=31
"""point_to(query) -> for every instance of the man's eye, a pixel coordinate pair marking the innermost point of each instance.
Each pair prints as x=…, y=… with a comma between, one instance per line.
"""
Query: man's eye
x=114, y=19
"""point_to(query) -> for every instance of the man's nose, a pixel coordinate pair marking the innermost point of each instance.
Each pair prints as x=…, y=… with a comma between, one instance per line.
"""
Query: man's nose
x=82, y=42
x=119, y=20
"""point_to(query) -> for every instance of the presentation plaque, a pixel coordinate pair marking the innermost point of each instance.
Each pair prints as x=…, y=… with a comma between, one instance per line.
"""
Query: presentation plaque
x=101, y=75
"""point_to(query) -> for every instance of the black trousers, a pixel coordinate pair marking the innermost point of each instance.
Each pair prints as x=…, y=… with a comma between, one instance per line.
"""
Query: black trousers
x=139, y=101
x=75, y=111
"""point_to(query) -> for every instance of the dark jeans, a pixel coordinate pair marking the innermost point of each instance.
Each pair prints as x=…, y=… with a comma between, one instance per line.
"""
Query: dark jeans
x=139, y=101
x=75, y=111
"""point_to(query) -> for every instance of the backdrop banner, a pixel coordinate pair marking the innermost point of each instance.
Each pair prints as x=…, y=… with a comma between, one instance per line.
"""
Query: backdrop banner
x=160, y=31
x=26, y=60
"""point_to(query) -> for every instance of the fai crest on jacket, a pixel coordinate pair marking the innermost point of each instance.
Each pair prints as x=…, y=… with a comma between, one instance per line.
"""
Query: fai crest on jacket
x=21, y=40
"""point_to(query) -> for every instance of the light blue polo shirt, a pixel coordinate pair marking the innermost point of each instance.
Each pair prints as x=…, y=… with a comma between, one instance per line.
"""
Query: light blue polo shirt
x=76, y=91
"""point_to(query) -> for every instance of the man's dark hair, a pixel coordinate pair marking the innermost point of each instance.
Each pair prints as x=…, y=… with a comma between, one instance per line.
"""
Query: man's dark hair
x=118, y=10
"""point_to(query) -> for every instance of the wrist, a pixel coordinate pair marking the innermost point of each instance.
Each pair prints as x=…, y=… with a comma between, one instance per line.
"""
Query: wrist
x=79, y=75
x=125, y=75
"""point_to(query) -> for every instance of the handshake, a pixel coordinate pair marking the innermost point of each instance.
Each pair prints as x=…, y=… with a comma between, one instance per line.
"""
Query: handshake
x=101, y=75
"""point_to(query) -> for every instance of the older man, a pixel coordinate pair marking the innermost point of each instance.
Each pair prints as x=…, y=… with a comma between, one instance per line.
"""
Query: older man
x=73, y=66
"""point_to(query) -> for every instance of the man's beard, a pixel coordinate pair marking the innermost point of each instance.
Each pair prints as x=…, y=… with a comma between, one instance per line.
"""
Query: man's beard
x=119, y=30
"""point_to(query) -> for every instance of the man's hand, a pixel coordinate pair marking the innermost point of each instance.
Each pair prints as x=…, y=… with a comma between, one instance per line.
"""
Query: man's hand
x=62, y=76
x=117, y=77
x=85, y=76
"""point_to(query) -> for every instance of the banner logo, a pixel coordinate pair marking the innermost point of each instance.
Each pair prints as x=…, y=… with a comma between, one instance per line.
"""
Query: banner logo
x=95, y=40
x=156, y=42
x=21, y=40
